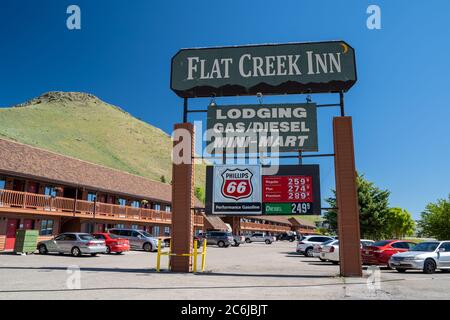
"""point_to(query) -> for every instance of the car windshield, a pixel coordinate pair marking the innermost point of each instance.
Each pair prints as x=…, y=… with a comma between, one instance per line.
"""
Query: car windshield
x=328, y=242
x=381, y=243
x=425, y=246
x=113, y=236
x=86, y=237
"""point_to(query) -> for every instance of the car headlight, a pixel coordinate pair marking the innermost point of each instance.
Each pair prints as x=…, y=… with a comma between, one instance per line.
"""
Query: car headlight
x=410, y=258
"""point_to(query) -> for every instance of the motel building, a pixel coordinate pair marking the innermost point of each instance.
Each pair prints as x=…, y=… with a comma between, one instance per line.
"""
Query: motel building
x=52, y=193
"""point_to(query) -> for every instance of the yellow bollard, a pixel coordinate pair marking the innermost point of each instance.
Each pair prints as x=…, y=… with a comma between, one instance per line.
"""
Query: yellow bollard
x=203, y=255
x=170, y=254
x=195, y=256
x=158, y=257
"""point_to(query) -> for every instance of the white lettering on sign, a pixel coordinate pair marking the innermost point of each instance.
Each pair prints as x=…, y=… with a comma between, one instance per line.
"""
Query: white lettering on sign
x=250, y=66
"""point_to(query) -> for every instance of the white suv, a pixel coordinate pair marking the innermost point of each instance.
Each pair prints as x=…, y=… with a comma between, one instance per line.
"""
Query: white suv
x=306, y=244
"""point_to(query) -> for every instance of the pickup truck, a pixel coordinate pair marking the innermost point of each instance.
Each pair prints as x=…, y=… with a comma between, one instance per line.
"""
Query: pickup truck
x=260, y=237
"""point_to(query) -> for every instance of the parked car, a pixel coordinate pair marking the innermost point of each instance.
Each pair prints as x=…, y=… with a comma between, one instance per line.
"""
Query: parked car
x=260, y=237
x=426, y=256
x=139, y=239
x=114, y=244
x=75, y=243
x=330, y=251
x=305, y=246
x=317, y=249
x=237, y=240
x=222, y=239
x=380, y=252
x=291, y=237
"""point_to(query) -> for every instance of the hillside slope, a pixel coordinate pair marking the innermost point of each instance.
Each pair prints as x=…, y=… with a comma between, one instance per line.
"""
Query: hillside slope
x=82, y=126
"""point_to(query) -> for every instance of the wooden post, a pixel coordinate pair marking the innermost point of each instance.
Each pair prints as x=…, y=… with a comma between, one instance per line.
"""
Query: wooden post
x=182, y=197
x=347, y=198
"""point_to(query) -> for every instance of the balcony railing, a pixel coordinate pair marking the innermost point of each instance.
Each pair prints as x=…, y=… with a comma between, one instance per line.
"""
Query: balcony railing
x=81, y=208
x=264, y=227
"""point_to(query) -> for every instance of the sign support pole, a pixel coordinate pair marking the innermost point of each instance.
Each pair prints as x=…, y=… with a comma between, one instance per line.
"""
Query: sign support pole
x=347, y=198
x=182, y=198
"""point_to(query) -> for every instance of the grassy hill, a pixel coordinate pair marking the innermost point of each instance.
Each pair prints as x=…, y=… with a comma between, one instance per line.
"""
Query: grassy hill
x=84, y=127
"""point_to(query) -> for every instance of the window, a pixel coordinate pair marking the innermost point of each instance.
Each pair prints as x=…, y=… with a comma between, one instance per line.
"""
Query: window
x=89, y=227
x=120, y=226
x=91, y=197
x=156, y=231
x=86, y=237
x=166, y=231
x=122, y=202
x=2, y=183
x=60, y=237
x=70, y=237
x=135, y=204
x=134, y=226
x=46, y=228
x=135, y=234
x=168, y=208
x=99, y=237
x=157, y=206
x=50, y=191
x=445, y=246
x=400, y=245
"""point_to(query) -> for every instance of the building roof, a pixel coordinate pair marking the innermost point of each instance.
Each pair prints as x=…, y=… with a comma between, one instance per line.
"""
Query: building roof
x=34, y=163
x=301, y=222
x=215, y=222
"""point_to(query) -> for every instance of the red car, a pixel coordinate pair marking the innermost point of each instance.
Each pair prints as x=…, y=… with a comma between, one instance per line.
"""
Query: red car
x=380, y=252
x=113, y=242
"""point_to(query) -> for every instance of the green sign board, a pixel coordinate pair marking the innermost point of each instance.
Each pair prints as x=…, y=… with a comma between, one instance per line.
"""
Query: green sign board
x=269, y=127
x=293, y=68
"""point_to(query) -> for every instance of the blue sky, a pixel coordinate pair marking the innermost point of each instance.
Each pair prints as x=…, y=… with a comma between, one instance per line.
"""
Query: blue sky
x=400, y=104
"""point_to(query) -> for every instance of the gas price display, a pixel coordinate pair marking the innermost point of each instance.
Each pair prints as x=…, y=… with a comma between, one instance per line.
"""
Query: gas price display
x=292, y=194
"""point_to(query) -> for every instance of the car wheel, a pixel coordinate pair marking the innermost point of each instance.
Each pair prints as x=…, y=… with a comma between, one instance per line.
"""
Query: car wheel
x=147, y=247
x=291, y=240
x=236, y=244
x=221, y=244
x=108, y=250
x=309, y=252
x=268, y=242
x=43, y=249
x=401, y=270
x=429, y=266
x=76, y=252
x=248, y=240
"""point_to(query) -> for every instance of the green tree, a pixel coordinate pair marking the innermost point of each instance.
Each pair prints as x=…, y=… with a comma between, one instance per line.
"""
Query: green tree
x=399, y=223
x=200, y=194
x=435, y=220
x=373, y=209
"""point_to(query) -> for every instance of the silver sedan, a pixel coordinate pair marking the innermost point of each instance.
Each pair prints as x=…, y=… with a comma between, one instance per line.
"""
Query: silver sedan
x=76, y=244
x=426, y=256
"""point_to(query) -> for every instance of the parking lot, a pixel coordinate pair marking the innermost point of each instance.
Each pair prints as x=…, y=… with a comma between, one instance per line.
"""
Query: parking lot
x=251, y=271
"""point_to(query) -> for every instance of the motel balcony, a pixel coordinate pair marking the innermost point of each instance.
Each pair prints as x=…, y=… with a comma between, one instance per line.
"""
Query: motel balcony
x=31, y=203
x=251, y=226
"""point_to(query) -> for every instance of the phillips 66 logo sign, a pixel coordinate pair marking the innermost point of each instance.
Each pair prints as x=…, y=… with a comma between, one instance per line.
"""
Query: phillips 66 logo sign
x=237, y=183
x=236, y=189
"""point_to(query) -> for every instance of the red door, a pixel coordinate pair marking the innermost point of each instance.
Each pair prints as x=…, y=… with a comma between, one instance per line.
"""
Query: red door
x=12, y=226
x=28, y=224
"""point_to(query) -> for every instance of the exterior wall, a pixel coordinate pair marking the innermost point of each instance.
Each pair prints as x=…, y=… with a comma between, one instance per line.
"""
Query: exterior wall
x=21, y=217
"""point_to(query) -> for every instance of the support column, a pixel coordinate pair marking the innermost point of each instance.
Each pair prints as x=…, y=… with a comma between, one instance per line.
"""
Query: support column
x=182, y=197
x=347, y=198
